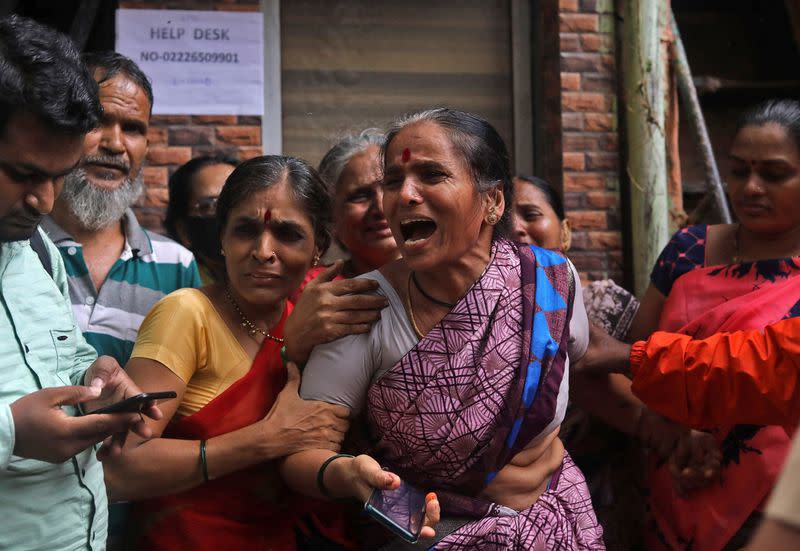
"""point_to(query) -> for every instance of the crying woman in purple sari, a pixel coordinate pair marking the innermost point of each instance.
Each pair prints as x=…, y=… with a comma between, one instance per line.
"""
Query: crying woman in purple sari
x=463, y=382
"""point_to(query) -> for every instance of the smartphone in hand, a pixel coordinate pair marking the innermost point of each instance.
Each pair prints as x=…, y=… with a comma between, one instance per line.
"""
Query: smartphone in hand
x=402, y=510
x=134, y=404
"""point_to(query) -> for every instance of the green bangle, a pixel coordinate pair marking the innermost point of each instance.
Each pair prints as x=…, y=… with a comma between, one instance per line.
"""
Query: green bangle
x=321, y=473
x=203, y=462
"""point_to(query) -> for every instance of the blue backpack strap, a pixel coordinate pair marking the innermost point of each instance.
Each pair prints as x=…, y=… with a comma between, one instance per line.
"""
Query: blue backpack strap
x=40, y=248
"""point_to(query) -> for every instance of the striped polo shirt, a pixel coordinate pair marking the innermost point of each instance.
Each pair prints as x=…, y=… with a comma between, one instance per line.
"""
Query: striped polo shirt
x=150, y=267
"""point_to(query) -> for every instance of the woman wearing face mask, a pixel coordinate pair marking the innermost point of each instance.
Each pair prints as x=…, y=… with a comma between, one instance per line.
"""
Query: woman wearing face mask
x=191, y=212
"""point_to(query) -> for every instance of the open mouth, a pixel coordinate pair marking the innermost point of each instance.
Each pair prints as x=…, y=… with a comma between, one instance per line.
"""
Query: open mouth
x=417, y=229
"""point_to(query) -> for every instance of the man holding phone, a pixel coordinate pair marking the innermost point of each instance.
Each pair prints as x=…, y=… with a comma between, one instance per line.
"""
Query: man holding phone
x=52, y=493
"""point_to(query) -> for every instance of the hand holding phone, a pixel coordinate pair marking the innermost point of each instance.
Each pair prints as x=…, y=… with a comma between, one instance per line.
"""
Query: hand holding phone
x=134, y=404
x=402, y=510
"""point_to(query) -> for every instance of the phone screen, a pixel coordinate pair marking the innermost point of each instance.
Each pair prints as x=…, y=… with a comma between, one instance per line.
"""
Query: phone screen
x=401, y=510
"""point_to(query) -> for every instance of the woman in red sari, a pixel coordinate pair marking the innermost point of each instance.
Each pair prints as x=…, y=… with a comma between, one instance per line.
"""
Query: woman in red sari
x=209, y=480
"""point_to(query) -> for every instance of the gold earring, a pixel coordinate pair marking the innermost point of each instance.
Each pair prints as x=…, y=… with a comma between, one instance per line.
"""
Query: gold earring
x=222, y=251
x=316, y=260
x=491, y=219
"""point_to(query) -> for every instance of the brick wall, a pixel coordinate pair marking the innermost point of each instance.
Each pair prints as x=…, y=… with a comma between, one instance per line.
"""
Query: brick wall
x=590, y=141
x=174, y=139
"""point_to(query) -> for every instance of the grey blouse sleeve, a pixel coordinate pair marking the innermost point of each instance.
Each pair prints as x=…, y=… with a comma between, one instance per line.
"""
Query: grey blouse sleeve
x=578, y=324
x=339, y=372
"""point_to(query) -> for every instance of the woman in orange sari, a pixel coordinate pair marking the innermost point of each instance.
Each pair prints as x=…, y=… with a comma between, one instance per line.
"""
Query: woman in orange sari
x=209, y=480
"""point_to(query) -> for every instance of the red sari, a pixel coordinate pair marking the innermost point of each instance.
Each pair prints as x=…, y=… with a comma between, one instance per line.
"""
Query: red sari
x=702, y=302
x=248, y=509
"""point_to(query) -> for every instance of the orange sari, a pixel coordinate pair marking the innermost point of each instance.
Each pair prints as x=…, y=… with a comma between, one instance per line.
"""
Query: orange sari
x=248, y=509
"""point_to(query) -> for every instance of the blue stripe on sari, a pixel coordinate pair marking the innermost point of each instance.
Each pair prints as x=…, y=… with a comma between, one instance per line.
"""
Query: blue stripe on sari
x=543, y=346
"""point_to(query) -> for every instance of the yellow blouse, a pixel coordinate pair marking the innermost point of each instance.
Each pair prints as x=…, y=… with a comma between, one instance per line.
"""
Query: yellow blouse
x=186, y=334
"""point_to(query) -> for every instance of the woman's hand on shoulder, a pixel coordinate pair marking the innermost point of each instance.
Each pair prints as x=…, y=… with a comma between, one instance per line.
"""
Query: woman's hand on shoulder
x=294, y=424
x=329, y=309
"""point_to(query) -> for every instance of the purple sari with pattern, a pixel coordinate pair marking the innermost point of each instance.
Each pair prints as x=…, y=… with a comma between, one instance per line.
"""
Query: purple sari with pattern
x=476, y=390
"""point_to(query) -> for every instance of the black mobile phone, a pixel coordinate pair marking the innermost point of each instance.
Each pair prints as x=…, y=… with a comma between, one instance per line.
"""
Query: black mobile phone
x=402, y=510
x=136, y=403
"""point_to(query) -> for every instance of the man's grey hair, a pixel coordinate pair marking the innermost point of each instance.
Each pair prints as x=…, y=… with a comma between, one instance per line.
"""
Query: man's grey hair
x=332, y=164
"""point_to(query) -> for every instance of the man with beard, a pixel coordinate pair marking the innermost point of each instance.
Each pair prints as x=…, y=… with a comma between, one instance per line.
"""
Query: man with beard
x=52, y=494
x=117, y=270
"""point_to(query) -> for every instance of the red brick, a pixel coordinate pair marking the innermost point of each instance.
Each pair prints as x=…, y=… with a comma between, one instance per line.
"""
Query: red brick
x=239, y=135
x=604, y=240
x=588, y=219
x=250, y=151
x=574, y=162
x=574, y=201
x=580, y=141
x=572, y=121
x=599, y=122
x=580, y=240
x=597, y=83
x=567, y=5
x=588, y=5
x=583, y=181
x=578, y=22
x=157, y=135
x=569, y=42
x=156, y=197
x=150, y=218
x=252, y=120
x=570, y=81
x=584, y=102
x=155, y=176
x=602, y=161
x=582, y=63
x=602, y=199
x=214, y=119
x=596, y=42
x=170, y=119
x=588, y=261
x=190, y=135
x=160, y=155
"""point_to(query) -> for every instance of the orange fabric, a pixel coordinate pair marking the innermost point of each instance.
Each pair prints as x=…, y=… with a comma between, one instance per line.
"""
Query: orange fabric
x=742, y=377
x=249, y=509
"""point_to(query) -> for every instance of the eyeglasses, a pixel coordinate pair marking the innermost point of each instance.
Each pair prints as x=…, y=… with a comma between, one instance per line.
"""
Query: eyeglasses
x=207, y=206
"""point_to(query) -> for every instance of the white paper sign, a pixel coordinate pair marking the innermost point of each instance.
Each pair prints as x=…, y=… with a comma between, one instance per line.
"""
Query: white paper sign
x=200, y=62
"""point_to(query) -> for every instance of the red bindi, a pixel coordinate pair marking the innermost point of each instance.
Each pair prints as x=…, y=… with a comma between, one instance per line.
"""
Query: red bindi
x=267, y=216
x=406, y=155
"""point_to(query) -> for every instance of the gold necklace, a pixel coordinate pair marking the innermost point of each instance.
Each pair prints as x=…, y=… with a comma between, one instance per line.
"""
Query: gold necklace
x=248, y=325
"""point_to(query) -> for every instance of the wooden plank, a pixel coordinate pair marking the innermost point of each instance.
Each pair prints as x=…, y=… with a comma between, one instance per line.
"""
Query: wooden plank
x=521, y=74
x=644, y=84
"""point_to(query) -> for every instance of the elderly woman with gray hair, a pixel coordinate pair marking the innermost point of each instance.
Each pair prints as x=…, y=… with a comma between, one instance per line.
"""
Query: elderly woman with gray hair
x=352, y=171
x=463, y=382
